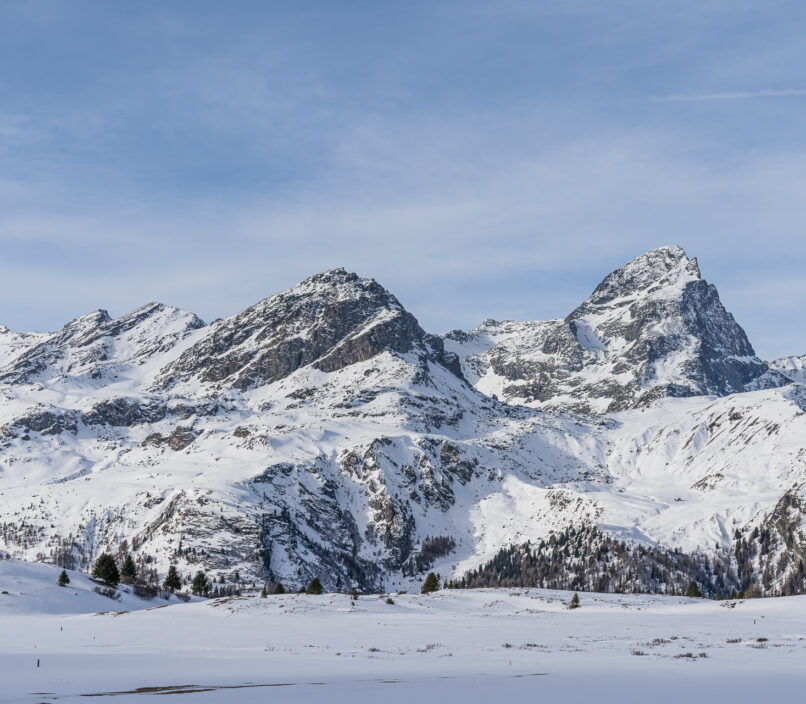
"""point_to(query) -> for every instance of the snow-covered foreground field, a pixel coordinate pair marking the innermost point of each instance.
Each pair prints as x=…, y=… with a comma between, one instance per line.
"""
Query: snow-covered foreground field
x=465, y=646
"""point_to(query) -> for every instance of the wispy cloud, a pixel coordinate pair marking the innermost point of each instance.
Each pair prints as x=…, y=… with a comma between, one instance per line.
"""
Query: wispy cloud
x=738, y=95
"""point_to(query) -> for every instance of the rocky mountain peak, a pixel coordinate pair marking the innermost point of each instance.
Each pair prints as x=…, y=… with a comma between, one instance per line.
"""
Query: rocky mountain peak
x=652, y=328
x=653, y=271
x=330, y=320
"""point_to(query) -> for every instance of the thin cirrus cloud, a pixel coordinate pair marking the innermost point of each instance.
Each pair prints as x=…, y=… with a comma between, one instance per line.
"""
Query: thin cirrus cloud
x=737, y=95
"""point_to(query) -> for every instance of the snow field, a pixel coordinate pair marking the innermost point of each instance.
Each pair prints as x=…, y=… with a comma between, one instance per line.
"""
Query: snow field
x=471, y=646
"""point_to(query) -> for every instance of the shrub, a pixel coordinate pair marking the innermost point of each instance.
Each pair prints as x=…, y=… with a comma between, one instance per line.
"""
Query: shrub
x=64, y=579
x=109, y=592
x=144, y=590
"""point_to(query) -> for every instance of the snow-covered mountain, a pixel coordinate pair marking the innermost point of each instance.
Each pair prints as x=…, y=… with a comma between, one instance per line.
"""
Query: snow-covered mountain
x=13, y=344
x=322, y=432
x=651, y=329
x=793, y=368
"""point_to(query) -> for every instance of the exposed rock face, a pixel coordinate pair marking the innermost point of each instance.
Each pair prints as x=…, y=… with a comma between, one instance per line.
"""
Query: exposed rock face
x=329, y=321
x=179, y=439
x=121, y=412
x=653, y=328
x=43, y=422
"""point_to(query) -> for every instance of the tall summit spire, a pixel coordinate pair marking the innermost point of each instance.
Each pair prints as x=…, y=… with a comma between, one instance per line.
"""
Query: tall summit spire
x=652, y=328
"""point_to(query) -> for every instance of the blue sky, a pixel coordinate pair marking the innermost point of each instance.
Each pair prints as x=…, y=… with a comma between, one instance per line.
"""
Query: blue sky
x=480, y=159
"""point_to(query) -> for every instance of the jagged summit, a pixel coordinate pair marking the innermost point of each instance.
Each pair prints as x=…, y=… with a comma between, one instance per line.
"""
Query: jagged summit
x=330, y=320
x=649, y=273
x=652, y=328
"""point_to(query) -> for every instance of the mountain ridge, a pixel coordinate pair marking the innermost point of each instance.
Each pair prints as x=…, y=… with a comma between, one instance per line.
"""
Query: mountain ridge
x=322, y=432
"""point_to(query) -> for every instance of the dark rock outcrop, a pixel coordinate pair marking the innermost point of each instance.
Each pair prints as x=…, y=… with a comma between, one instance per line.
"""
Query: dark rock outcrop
x=121, y=412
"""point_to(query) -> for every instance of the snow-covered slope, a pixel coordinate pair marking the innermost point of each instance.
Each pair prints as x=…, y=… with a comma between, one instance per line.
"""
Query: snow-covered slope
x=652, y=328
x=793, y=368
x=30, y=588
x=13, y=344
x=322, y=432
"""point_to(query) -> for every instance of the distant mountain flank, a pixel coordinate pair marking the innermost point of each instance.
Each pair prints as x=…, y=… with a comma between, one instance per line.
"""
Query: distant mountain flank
x=794, y=368
x=323, y=433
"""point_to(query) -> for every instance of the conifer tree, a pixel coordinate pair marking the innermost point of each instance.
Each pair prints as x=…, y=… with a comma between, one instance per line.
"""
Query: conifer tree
x=172, y=580
x=264, y=592
x=64, y=579
x=574, y=602
x=128, y=571
x=200, y=585
x=278, y=588
x=106, y=569
x=431, y=584
x=693, y=591
x=315, y=587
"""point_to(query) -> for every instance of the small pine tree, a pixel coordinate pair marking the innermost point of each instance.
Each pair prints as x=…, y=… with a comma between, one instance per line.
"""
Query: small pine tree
x=106, y=569
x=172, y=580
x=200, y=585
x=315, y=587
x=431, y=584
x=128, y=571
x=693, y=591
x=301, y=590
x=64, y=579
x=279, y=588
x=354, y=594
x=574, y=602
x=264, y=593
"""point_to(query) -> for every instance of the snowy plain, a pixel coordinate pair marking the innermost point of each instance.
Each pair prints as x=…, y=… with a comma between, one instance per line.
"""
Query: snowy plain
x=452, y=646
